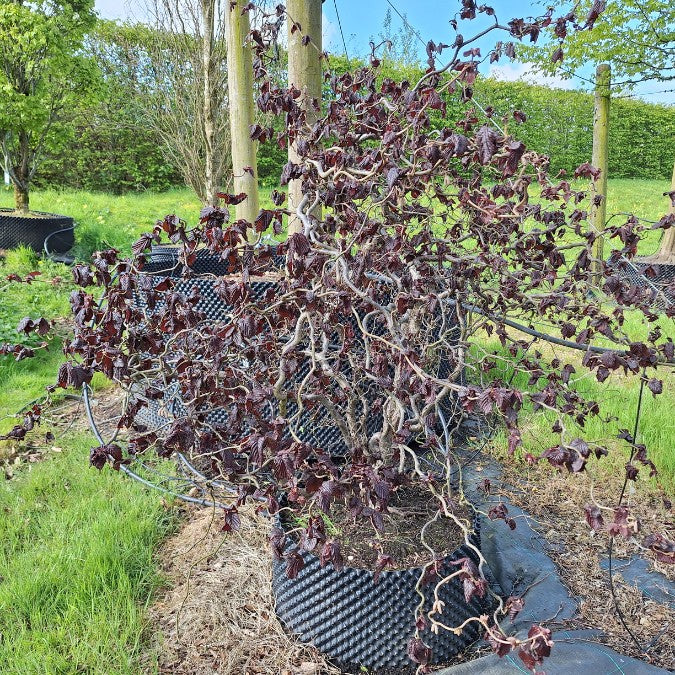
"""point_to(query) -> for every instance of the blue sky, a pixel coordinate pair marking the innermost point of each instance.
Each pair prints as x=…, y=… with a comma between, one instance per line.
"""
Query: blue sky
x=363, y=19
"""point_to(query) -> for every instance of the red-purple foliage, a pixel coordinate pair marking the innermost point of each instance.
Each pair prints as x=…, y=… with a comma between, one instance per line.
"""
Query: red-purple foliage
x=418, y=243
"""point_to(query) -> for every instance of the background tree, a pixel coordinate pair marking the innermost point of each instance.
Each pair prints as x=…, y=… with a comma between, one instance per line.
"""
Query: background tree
x=187, y=54
x=113, y=142
x=107, y=144
x=399, y=52
x=41, y=74
x=636, y=37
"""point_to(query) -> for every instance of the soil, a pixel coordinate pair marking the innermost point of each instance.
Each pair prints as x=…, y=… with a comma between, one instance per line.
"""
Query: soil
x=217, y=614
x=410, y=510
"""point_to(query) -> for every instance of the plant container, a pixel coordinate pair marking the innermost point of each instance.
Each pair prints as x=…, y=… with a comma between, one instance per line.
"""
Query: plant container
x=36, y=229
x=657, y=277
x=316, y=427
x=359, y=623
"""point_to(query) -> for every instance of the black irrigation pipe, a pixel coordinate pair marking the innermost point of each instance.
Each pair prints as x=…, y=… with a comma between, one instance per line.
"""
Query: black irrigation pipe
x=202, y=502
x=581, y=346
x=610, y=549
x=472, y=308
x=627, y=213
x=130, y=472
x=48, y=253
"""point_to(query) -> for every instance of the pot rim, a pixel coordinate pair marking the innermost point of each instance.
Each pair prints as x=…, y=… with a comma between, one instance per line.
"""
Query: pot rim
x=39, y=215
x=474, y=537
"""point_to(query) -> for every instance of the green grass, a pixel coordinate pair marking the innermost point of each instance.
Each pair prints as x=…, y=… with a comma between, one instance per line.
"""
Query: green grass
x=46, y=297
x=76, y=567
x=618, y=402
x=105, y=220
x=645, y=199
x=76, y=546
x=618, y=399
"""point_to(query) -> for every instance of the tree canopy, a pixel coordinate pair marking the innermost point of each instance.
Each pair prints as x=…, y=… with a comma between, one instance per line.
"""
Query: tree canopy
x=637, y=37
x=41, y=70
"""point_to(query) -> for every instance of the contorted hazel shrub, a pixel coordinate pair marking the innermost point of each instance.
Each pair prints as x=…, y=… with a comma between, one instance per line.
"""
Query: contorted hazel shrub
x=419, y=242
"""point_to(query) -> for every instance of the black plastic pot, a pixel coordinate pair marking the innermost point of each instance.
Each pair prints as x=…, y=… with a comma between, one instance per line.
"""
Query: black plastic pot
x=660, y=280
x=34, y=230
x=316, y=426
x=357, y=622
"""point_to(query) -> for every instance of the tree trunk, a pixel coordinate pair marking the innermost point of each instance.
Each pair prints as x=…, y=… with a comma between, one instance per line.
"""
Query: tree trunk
x=600, y=161
x=666, y=252
x=304, y=71
x=210, y=188
x=242, y=112
x=20, y=174
x=20, y=198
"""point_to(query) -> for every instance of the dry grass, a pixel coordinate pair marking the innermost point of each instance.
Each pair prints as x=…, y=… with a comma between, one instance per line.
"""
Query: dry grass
x=217, y=618
x=556, y=501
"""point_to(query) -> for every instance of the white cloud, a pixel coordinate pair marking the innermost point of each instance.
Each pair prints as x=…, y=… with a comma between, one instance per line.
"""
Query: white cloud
x=526, y=72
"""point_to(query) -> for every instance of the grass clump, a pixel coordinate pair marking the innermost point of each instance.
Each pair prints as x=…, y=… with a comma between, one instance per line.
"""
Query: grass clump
x=76, y=567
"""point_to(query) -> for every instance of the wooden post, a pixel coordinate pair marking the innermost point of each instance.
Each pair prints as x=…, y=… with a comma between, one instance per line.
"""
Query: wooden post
x=600, y=161
x=304, y=71
x=242, y=114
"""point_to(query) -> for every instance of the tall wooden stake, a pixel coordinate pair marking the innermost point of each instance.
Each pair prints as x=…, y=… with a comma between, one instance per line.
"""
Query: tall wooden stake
x=304, y=71
x=242, y=115
x=600, y=161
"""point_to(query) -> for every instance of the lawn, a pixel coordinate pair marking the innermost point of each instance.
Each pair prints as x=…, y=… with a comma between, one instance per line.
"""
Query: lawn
x=24, y=382
x=76, y=567
x=76, y=546
x=618, y=398
x=106, y=220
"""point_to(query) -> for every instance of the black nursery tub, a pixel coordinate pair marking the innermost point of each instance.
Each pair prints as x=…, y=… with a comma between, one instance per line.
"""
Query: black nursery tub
x=315, y=427
x=659, y=280
x=357, y=622
x=36, y=228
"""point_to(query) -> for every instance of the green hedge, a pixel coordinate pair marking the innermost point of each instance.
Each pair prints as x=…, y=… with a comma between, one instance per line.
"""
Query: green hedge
x=111, y=151
x=560, y=124
x=101, y=156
